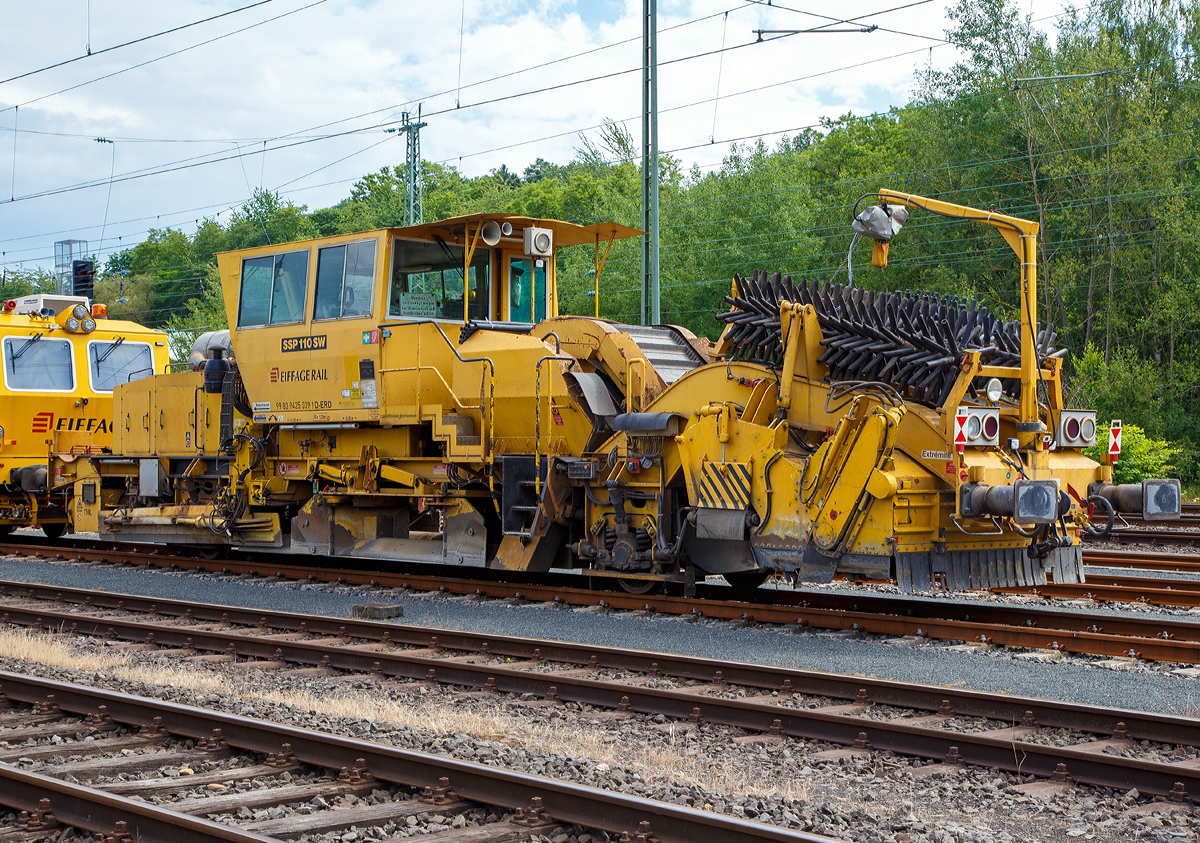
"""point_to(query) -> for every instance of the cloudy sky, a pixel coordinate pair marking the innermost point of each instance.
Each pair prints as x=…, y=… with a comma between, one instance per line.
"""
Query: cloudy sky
x=295, y=96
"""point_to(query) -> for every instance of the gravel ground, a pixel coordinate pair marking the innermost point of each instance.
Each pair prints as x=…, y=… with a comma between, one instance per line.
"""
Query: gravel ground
x=874, y=798
x=1145, y=686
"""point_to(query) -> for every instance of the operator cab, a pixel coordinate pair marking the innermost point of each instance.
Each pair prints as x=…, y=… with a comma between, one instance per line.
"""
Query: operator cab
x=507, y=262
x=311, y=316
x=502, y=266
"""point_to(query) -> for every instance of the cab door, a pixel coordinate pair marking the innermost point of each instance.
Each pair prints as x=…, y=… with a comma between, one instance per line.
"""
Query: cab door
x=179, y=416
x=132, y=436
x=525, y=283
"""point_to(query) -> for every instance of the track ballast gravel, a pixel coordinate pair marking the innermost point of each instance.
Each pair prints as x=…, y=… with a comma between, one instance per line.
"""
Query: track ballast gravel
x=1144, y=686
x=872, y=799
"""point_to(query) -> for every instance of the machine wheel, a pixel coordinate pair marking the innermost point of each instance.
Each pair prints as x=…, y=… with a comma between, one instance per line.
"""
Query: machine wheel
x=640, y=586
x=54, y=531
x=747, y=580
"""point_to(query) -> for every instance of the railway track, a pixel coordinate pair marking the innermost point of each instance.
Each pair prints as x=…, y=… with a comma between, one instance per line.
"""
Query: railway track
x=949, y=727
x=1154, y=638
x=103, y=733
x=1189, y=517
x=1139, y=560
x=1121, y=589
x=1161, y=536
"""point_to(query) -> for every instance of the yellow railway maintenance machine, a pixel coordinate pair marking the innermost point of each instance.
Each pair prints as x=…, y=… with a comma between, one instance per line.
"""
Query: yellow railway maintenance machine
x=413, y=394
x=62, y=359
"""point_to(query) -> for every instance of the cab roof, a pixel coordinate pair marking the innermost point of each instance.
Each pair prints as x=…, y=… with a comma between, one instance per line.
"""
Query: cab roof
x=455, y=229
x=565, y=233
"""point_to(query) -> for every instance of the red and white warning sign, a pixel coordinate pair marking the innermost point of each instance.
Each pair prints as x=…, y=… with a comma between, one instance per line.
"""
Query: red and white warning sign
x=1114, y=441
x=960, y=429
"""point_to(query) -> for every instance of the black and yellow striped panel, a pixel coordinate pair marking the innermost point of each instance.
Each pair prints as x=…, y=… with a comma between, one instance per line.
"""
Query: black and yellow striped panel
x=725, y=485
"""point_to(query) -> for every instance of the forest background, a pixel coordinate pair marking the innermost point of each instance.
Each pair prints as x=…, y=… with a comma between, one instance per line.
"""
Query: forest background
x=1091, y=131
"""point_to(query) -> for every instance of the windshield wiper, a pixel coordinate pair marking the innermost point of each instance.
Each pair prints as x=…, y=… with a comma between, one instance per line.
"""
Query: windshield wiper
x=449, y=255
x=111, y=349
x=24, y=348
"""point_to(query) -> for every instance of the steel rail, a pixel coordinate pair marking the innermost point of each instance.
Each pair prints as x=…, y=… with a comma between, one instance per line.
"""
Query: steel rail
x=1002, y=707
x=1155, y=591
x=1153, y=638
x=1152, y=536
x=1146, y=561
x=99, y=812
x=815, y=724
x=564, y=801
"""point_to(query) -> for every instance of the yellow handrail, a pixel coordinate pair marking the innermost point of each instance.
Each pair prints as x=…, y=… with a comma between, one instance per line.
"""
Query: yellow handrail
x=489, y=415
x=641, y=361
x=537, y=423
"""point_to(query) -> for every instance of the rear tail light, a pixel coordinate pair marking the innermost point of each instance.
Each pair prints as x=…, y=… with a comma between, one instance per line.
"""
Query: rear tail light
x=981, y=425
x=991, y=427
x=1077, y=429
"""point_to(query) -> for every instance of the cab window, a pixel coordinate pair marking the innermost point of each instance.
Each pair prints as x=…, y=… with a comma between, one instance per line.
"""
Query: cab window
x=427, y=282
x=274, y=288
x=118, y=362
x=37, y=364
x=526, y=289
x=345, y=281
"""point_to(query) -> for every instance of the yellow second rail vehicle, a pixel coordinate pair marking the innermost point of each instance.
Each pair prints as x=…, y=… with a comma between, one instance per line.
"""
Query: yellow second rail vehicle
x=62, y=359
x=414, y=394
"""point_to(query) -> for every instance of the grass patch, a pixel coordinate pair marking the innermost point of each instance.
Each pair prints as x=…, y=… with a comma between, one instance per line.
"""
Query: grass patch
x=684, y=760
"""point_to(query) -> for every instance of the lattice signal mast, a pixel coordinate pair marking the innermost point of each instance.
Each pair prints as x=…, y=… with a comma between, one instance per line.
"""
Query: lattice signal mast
x=414, y=182
x=66, y=252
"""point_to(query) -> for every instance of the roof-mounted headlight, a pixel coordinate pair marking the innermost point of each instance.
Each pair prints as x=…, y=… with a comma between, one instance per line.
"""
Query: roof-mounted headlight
x=88, y=325
x=995, y=390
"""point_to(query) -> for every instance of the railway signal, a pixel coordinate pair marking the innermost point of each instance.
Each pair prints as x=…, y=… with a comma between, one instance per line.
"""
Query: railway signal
x=83, y=278
x=1114, y=441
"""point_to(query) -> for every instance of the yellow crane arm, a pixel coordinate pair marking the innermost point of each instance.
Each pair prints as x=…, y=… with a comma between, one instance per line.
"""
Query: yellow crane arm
x=1021, y=236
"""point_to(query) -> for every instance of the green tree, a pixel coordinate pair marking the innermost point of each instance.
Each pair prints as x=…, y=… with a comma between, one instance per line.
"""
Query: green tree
x=267, y=219
x=1141, y=457
x=26, y=281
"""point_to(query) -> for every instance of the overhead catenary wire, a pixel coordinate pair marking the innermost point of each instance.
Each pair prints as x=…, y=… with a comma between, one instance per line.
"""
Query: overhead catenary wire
x=112, y=169
x=502, y=76
x=556, y=135
x=13, y=198
x=977, y=162
x=686, y=23
x=720, y=68
x=89, y=52
x=12, y=191
x=492, y=101
x=165, y=56
x=834, y=21
x=462, y=28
